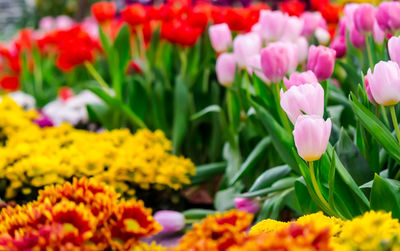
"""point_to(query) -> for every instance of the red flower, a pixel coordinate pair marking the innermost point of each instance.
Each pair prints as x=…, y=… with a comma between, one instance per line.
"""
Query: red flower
x=330, y=12
x=135, y=14
x=9, y=83
x=180, y=32
x=316, y=4
x=104, y=11
x=238, y=19
x=293, y=7
x=65, y=93
x=24, y=40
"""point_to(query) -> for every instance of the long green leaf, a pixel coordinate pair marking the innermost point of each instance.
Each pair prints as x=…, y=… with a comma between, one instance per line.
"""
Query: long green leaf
x=270, y=176
x=385, y=197
x=181, y=113
x=205, y=172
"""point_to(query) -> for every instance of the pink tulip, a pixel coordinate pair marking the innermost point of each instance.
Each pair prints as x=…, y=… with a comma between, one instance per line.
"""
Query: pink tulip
x=47, y=23
x=388, y=16
x=171, y=221
x=226, y=68
x=342, y=27
x=379, y=34
x=300, y=78
x=364, y=17
x=247, y=205
x=254, y=65
x=275, y=61
x=311, y=136
x=321, y=60
x=348, y=12
x=394, y=49
x=272, y=24
x=357, y=39
x=312, y=21
x=302, y=49
x=220, y=37
x=64, y=22
x=340, y=46
x=307, y=98
x=293, y=56
x=245, y=46
x=368, y=91
x=293, y=29
x=385, y=83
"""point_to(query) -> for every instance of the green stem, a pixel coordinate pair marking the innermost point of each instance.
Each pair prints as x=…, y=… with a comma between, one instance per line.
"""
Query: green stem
x=315, y=185
x=384, y=115
x=281, y=113
x=96, y=75
x=369, y=52
x=395, y=123
x=142, y=52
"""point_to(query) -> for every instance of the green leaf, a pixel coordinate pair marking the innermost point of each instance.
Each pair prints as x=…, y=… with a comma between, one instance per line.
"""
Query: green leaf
x=233, y=109
x=270, y=176
x=181, y=114
x=376, y=128
x=384, y=197
x=205, y=111
x=277, y=186
x=281, y=139
x=331, y=181
x=197, y=213
x=100, y=113
x=122, y=47
x=252, y=159
x=206, y=172
x=303, y=197
x=233, y=158
x=224, y=199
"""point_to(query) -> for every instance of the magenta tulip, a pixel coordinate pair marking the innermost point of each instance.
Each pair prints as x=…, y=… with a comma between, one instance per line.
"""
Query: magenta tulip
x=321, y=60
x=357, y=39
x=311, y=136
x=272, y=24
x=364, y=18
x=394, y=49
x=245, y=46
x=300, y=78
x=247, y=205
x=307, y=98
x=220, y=37
x=254, y=66
x=171, y=221
x=340, y=46
x=385, y=83
x=275, y=61
x=226, y=68
x=388, y=16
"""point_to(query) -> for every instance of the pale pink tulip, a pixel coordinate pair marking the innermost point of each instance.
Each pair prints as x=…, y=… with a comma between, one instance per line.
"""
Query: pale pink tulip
x=311, y=136
x=364, y=17
x=275, y=61
x=64, y=22
x=293, y=56
x=245, y=46
x=379, y=34
x=272, y=24
x=348, y=11
x=321, y=60
x=368, y=91
x=323, y=36
x=293, y=29
x=254, y=65
x=388, y=16
x=247, y=205
x=385, y=83
x=302, y=49
x=307, y=98
x=300, y=78
x=171, y=221
x=226, y=68
x=220, y=37
x=47, y=23
x=394, y=49
x=312, y=21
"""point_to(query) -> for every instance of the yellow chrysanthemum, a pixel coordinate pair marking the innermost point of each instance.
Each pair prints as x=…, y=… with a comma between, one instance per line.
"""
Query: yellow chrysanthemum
x=267, y=226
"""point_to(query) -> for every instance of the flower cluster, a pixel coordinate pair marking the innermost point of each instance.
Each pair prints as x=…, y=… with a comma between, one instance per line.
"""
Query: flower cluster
x=33, y=157
x=82, y=215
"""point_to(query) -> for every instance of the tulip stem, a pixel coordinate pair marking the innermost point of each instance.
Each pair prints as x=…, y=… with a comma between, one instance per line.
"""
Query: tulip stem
x=395, y=123
x=315, y=185
x=369, y=51
x=281, y=113
x=96, y=75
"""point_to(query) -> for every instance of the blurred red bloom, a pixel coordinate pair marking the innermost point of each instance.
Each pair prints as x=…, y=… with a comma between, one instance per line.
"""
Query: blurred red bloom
x=9, y=82
x=180, y=32
x=293, y=7
x=104, y=11
x=65, y=93
x=24, y=40
x=330, y=12
x=135, y=14
x=316, y=4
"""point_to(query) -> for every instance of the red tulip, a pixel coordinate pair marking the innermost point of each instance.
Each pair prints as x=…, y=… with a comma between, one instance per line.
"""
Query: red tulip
x=9, y=83
x=135, y=14
x=293, y=7
x=104, y=11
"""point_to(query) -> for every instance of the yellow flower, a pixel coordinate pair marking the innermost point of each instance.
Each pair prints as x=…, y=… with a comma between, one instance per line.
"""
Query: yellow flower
x=267, y=226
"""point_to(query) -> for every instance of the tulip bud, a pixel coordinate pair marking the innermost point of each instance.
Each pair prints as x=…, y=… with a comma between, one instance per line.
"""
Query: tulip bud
x=220, y=37
x=308, y=98
x=272, y=24
x=275, y=61
x=379, y=34
x=357, y=39
x=171, y=221
x=311, y=136
x=300, y=78
x=394, y=49
x=388, y=16
x=254, y=65
x=321, y=60
x=247, y=205
x=364, y=17
x=385, y=83
x=340, y=46
x=245, y=46
x=226, y=68
x=293, y=29
x=322, y=36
